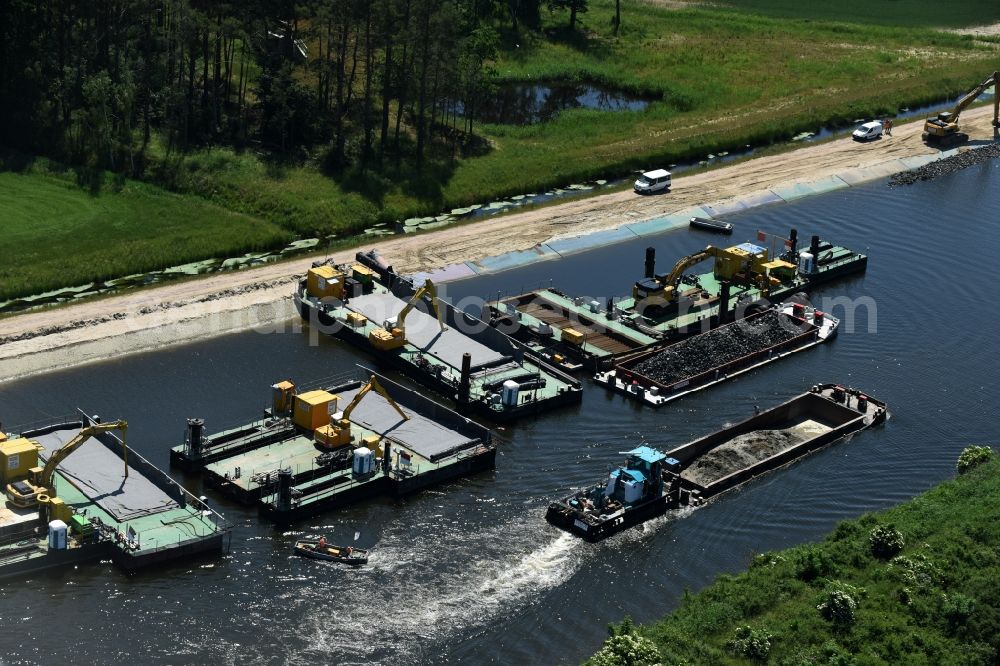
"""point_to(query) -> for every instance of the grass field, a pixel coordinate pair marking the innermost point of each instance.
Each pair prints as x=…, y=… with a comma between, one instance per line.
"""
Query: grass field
x=957, y=14
x=58, y=234
x=935, y=602
x=727, y=78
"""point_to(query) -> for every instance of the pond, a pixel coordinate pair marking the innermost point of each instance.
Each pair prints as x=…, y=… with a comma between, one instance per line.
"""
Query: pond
x=530, y=103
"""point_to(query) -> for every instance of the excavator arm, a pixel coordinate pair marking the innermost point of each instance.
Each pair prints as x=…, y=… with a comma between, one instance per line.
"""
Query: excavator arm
x=686, y=263
x=373, y=383
x=428, y=289
x=45, y=478
x=971, y=97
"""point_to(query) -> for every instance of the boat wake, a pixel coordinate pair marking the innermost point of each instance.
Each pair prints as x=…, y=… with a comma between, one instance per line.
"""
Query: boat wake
x=426, y=589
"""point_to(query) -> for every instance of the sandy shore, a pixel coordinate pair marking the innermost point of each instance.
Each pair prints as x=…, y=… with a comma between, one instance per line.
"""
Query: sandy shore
x=147, y=319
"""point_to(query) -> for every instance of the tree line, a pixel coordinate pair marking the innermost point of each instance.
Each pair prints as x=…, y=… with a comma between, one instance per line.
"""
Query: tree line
x=355, y=81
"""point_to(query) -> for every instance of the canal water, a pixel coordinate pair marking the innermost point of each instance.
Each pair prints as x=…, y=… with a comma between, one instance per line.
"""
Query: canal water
x=470, y=572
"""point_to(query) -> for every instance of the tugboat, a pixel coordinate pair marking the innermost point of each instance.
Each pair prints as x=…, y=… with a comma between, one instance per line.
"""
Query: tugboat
x=633, y=493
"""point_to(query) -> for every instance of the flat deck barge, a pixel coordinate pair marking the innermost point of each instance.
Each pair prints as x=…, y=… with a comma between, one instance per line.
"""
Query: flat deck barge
x=575, y=333
x=659, y=376
x=399, y=442
x=651, y=482
x=138, y=520
x=461, y=357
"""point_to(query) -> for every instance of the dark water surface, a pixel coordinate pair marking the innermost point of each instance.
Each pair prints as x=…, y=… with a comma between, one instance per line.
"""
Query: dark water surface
x=470, y=572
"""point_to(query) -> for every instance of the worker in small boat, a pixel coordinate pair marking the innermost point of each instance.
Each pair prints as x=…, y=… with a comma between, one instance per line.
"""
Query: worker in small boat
x=322, y=543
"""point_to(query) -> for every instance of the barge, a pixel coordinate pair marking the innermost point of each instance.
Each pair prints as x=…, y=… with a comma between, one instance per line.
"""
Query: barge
x=482, y=370
x=591, y=334
x=98, y=501
x=651, y=482
x=659, y=376
x=350, y=440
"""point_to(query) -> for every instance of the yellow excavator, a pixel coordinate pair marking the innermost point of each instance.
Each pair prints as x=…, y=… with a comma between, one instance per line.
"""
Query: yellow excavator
x=942, y=131
x=392, y=335
x=25, y=493
x=733, y=263
x=338, y=433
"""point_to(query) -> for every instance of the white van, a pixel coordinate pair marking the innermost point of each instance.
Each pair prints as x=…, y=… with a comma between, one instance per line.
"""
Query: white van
x=653, y=181
x=868, y=131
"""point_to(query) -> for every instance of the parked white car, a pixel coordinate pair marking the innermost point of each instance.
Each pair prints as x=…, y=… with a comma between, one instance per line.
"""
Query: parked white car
x=653, y=181
x=868, y=131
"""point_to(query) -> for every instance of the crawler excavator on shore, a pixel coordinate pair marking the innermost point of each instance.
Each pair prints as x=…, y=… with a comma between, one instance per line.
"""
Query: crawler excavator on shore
x=942, y=131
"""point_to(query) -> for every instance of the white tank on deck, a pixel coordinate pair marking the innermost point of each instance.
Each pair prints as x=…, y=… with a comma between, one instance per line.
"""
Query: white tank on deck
x=363, y=460
x=807, y=263
x=509, y=393
x=57, y=535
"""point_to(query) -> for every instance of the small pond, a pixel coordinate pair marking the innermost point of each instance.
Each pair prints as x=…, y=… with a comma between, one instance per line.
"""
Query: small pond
x=530, y=103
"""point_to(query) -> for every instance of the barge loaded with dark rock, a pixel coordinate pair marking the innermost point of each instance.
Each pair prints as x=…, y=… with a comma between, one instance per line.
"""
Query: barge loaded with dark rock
x=659, y=376
x=579, y=333
x=651, y=482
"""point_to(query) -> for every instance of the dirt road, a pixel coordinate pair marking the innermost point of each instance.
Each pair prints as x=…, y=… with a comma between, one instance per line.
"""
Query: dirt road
x=150, y=318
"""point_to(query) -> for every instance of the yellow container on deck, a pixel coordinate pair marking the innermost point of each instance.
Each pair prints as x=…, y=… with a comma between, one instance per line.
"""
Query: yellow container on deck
x=282, y=396
x=373, y=443
x=572, y=336
x=325, y=282
x=17, y=457
x=59, y=510
x=356, y=319
x=330, y=437
x=313, y=409
x=362, y=273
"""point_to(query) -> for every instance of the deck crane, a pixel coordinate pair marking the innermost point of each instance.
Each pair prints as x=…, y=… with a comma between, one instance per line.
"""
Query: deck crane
x=942, y=131
x=25, y=493
x=340, y=434
x=392, y=334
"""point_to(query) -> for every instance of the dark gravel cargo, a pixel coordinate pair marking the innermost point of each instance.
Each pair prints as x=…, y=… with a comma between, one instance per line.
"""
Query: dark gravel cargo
x=703, y=352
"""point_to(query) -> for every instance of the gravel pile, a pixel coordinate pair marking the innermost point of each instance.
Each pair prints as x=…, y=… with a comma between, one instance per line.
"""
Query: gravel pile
x=738, y=453
x=948, y=165
x=703, y=352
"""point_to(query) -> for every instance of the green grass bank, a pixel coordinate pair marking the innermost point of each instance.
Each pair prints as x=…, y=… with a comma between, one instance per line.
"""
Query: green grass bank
x=59, y=233
x=916, y=584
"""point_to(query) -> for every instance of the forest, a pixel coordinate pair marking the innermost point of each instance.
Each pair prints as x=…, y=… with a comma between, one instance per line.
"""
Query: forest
x=94, y=82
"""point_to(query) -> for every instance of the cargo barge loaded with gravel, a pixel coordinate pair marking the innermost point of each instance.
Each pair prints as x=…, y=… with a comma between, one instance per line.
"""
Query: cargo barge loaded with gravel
x=75, y=494
x=651, y=482
x=659, y=376
x=482, y=370
x=577, y=333
x=348, y=439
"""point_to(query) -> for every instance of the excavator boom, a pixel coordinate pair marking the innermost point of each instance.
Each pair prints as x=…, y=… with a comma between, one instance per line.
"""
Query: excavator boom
x=428, y=289
x=373, y=383
x=45, y=479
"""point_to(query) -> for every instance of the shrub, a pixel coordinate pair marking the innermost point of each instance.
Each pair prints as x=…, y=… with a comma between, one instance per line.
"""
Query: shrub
x=812, y=563
x=957, y=608
x=839, y=603
x=626, y=648
x=751, y=643
x=916, y=572
x=972, y=456
x=885, y=541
